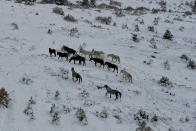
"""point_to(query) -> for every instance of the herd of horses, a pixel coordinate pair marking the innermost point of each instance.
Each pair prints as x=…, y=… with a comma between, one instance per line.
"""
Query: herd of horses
x=94, y=56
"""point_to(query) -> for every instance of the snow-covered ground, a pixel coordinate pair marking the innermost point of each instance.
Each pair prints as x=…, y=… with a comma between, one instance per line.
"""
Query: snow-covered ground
x=24, y=53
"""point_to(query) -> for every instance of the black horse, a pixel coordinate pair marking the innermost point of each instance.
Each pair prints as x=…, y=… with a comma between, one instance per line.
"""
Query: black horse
x=69, y=50
x=52, y=51
x=97, y=60
x=110, y=65
x=61, y=54
x=78, y=58
x=112, y=91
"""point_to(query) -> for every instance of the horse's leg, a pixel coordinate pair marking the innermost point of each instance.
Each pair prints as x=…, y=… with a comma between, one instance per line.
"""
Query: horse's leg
x=110, y=95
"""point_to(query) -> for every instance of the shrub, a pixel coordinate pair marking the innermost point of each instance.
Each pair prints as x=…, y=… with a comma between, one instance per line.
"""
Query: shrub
x=84, y=94
x=194, y=7
x=70, y=18
x=4, y=98
x=104, y=20
x=55, y=118
x=151, y=28
x=48, y=1
x=93, y=3
x=29, y=110
x=58, y=11
x=52, y=109
x=115, y=3
x=56, y=96
x=168, y=35
x=166, y=65
x=74, y=32
x=154, y=118
x=80, y=114
x=140, y=116
x=102, y=114
x=85, y=3
x=137, y=28
x=134, y=38
x=144, y=127
x=191, y=64
x=164, y=81
x=26, y=80
x=184, y=57
x=15, y=26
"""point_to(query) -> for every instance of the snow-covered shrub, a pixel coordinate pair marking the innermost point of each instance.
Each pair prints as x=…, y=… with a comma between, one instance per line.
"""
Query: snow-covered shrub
x=191, y=64
x=58, y=11
x=70, y=18
x=52, y=109
x=156, y=21
x=85, y=3
x=66, y=109
x=48, y=1
x=137, y=28
x=93, y=3
x=81, y=115
x=166, y=65
x=119, y=120
x=15, y=26
x=144, y=127
x=102, y=114
x=151, y=28
x=49, y=31
x=119, y=13
x=74, y=32
x=115, y=3
x=104, y=20
x=194, y=7
x=84, y=94
x=26, y=80
x=4, y=98
x=168, y=35
x=154, y=118
x=55, y=118
x=57, y=94
x=153, y=43
x=184, y=57
x=141, y=116
x=134, y=38
x=163, y=5
x=29, y=110
x=64, y=73
x=124, y=26
x=164, y=81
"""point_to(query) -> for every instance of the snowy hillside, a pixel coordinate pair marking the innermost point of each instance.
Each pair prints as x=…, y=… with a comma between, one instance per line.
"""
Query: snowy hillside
x=27, y=70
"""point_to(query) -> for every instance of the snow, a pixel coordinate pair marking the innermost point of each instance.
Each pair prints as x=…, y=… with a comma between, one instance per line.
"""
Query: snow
x=24, y=52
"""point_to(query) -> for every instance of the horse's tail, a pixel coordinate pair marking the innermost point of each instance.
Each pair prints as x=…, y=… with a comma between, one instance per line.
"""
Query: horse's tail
x=120, y=94
x=81, y=79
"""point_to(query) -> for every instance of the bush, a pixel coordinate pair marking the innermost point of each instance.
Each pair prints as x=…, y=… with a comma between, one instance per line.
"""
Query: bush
x=134, y=38
x=80, y=114
x=191, y=64
x=85, y=3
x=166, y=65
x=115, y=3
x=194, y=7
x=184, y=57
x=151, y=28
x=29, y=110
x=154, y=118
x=4, y=98
x=104, y=20
x=164, y=81
x=168, y=35
x=55, y=118
x=141, y=116
x=137, y=28
x=58, y=10
x=70, y=18
x=102, y=114
x=26, y=80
